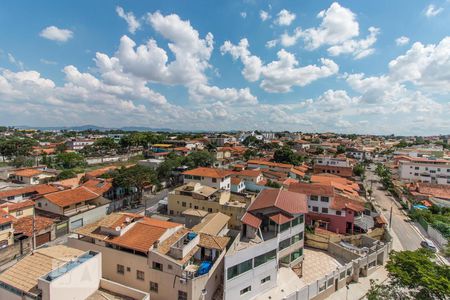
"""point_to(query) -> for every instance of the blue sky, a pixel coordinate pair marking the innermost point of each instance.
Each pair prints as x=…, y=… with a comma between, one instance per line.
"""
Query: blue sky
x=351, y=66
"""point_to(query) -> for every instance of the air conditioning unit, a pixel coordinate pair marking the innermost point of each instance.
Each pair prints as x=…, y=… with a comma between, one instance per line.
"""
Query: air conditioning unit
x=183, y=280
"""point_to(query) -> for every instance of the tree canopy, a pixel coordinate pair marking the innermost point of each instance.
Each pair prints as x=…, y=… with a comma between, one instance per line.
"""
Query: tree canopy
x=287, y=156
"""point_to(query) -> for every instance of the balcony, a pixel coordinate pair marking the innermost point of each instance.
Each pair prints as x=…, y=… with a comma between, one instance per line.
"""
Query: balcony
x=77, y=210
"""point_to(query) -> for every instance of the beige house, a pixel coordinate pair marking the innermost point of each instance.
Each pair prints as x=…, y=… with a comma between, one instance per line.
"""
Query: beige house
x=200, y=197
x=6, y=229
x=19, y=209
x=31, y=176
x=61, y=272
x=164, y=258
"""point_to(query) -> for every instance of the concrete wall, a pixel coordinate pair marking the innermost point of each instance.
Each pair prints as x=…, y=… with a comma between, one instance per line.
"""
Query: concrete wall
x=123, y=290
x=90, y=216
x=77, y=284
x=9, y=253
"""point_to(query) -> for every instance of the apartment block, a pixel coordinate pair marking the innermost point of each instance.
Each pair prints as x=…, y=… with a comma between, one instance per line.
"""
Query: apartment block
x=216, y=178
x=423, y=169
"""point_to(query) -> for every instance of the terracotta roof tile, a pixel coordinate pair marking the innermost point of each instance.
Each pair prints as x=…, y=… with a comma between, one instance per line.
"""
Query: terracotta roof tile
x=18, y=205
x=251, y=220
x=209, y=172
x=290, y=202
x=40, y=189
x=25, y=225
x=280, y=218
x=28, y=172
x=312, y=189
x=73, y=196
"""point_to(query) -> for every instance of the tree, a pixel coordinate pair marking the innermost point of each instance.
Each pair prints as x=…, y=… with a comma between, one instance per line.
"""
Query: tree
x=22, y=161
x=66, y=174
x=340, y=149
x=69, y=160
x=250, y=153
x=199, y=159
x=60, y=148
x=287, y=156
x=359, y=170
x=13, y=147
x=251, y=141
x=273, y=184
x=416, y=275
x=134, y=177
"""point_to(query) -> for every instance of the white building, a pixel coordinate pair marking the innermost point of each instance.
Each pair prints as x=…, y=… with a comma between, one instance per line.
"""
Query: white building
x=424, y=169
x=271, y=237
x=217, y=178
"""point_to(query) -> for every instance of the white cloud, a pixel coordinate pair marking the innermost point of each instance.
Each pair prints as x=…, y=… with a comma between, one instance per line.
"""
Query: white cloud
x=243, y=14
x=284, y=18
x=133, y=23
x=338, y=25
x=401, y=41
x=227, y=95
x=271, y=43
x=56, y=34
x=432, y=10
x=264, y=15
x=281, y=75
x=290, y=40
x=426, y=66
x=358, y=48
x=252, y=64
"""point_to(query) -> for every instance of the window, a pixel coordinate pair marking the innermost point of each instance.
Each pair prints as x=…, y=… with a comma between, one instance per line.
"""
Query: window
x=297, y=237
x=338, y=213
x=416, y=168
x=11, y=197
x=120, y=269
x=157, y=266
x=183, y=204
x=296, y=254
x=283, y=244
x=169, y=267
x=214, y=180
x=182, y=295
x=296, y=221
x=324, y=199
x=153, y=287
x=246, y=290
x=324, y=210
x=285, y=259
x=239, y=269
x=19, y=212
x=313, y=198
x=140, y=275
x=315, y=209
x=39, y=204
x=265, y=279
x=210, y=210
x=285, y=226
x=195, y=207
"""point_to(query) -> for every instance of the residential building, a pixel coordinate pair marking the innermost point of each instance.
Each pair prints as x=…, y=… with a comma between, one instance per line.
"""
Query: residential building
x=334, y=207
x=80, y=205
x=44, y=228
x=165, y=258
x=216, y=178
x=237, y=185
x=422, y=169
x=6, y=229
x=20, y=209
x=56, y=272
x=200, y=197
x=333, y=165
x=253, y=179
x=78, y=144
x=31, y=176
x=271, y=236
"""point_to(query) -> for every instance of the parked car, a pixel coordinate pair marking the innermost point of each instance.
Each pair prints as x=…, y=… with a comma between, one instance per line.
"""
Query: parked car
x=427, y=244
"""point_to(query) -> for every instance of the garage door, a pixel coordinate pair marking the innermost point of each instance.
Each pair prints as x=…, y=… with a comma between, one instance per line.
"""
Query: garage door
x=42, y=239
x=75, y=224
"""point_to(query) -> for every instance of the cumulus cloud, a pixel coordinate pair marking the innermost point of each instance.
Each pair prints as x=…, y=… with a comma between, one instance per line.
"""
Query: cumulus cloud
x=281, y=75
x=264, y=15
x=358, y=48
x=243, y=14
x=401, y=41
x=133, y=23
x=284, y=18
x=54, y=33
x=432, y=10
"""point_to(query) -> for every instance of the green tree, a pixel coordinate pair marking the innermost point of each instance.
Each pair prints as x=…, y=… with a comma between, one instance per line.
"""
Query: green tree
x=359, y=170
x=137, y=177
x=273, y=184
x=199, y=159
x=60, y=148
x=69, y=160
x=416, y=275
x=340, y=149
x=66, y=174
x=287, y=156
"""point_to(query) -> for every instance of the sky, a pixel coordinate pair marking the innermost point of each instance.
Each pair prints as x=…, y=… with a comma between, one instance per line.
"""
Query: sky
x=376, y=67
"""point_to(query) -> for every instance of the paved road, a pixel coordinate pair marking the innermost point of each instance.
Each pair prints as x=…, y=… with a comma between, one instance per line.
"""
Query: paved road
x=407, y=235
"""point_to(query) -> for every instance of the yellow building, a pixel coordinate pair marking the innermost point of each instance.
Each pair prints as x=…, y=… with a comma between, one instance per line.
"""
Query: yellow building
x=6, y=229
x=19, y=209
x=196, y=196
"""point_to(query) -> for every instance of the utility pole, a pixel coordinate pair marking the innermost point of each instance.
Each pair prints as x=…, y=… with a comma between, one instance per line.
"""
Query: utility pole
x=390, y=218
x=34, y=231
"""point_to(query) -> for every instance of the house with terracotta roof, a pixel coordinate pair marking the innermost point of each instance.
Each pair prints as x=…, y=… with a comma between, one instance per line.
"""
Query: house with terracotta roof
x=332, y=206
x=31, y=175
x=271, y=237
x=44, y=228
x=273, y=166
x=80, y=205
x=19, y=209
x=27, y=192
x=423, y=169
x=6, y=229
x=253, y=179
x=340, y=166
x=164, y=258
x=213, y=177
x=237, y=184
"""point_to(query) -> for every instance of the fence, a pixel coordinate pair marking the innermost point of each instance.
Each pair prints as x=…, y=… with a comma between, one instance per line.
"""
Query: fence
x=434, y=234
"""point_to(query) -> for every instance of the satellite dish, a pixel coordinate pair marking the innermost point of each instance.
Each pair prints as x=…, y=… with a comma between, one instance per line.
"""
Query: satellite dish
x=118, y=228
x=128, y=219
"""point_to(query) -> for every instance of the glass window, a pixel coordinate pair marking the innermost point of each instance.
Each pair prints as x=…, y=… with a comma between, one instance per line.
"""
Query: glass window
x=153, y=287
x=324, y=210
x=297, y=237
x=246, y=290
x=296, y=254
x=315, y=209
x=338, y=213
x=182, y=295
x=324, y=199
x=140, y=275
x=265, y=279
x=285, y=259
x=313, y=198
x=283, y=244
x=120, y=269
x=285, y=226
x=263, y=258
x=239, y=269
x=157, y=266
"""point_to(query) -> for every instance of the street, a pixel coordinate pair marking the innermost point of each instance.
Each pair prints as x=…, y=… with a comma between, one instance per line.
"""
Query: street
x=408, y=236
